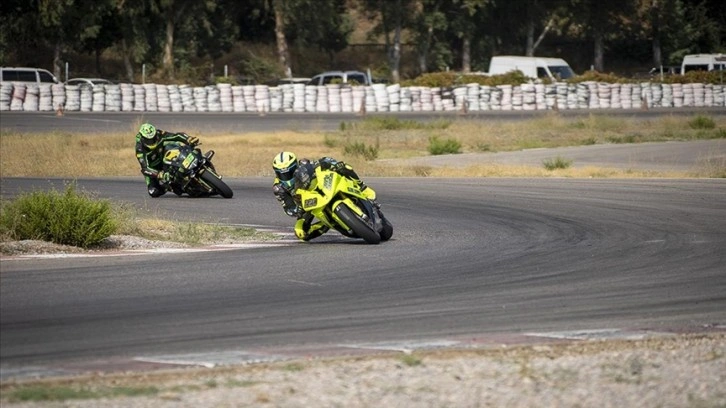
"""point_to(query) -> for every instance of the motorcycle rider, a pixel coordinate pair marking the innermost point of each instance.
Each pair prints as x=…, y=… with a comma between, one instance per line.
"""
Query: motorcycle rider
x=150, y=143
x=290, y=173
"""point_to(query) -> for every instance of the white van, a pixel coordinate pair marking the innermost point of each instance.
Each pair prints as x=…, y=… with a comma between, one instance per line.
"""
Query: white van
x=27, y=76
x=533, y=67
x=703, y=62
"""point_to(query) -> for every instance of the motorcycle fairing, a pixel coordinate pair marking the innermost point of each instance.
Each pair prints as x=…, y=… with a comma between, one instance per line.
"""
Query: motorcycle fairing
x=330, y=186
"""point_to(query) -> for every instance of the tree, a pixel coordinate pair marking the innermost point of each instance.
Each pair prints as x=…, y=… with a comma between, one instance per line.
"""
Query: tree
x=428, y=21
x=193, y=22
x=133, y=19
x=463, y=17
x=391, y=16
x=18, y=28
x=601, y=20
x=323, y=24
x=67, y=24
x=283, y=52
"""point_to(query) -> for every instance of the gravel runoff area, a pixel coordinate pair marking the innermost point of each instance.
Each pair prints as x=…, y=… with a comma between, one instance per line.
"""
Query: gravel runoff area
x=663, y=371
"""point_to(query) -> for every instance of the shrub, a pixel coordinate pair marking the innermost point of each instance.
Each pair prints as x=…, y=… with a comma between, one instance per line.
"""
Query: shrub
x=393, y=123
x=595, y=76
x=702, y=122
x=329, y=141
x=702, y=77
x=452, y=79
x=557, y=163
x=629, y=138
x=361, y=149
x=67, y=218
x=448, y=146
x=411, y=360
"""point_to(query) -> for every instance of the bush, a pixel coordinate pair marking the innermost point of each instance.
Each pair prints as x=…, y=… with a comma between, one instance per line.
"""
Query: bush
x=361, y=149
x=393, y=123
x=453, y=79
x=702, y=122
x=557, y=163
x=67, y=218
x=448, y=146
x=702, y=77
x=595, y=76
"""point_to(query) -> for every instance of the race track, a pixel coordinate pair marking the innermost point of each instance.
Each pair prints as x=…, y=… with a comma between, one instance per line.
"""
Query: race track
x=468, y=259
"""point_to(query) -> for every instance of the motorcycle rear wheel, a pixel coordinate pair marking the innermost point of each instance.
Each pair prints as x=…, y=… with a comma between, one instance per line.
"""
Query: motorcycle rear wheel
x=213, y=180
x=359, y=226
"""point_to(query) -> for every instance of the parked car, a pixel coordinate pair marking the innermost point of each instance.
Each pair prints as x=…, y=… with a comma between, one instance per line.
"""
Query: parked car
x=88, y=82
x=284, y=81
x=341, y=77
x=27, y=75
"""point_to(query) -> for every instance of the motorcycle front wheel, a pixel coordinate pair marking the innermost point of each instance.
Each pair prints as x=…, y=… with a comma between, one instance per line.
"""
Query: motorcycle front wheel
x=387, y=230
x=215, y=182
x=359, y=226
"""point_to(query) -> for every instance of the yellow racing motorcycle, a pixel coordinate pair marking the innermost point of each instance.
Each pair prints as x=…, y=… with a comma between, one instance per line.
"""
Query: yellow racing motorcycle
x=337, y=202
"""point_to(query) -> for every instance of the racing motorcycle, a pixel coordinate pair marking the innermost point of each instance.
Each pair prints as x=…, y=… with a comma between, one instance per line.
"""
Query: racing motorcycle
x=192, y=172
x=338, y=203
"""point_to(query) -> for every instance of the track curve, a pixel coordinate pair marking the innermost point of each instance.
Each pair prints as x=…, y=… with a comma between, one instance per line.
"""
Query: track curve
x=467, y=258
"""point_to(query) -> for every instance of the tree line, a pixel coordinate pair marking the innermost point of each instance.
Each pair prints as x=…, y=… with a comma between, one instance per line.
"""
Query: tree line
x=170, y=35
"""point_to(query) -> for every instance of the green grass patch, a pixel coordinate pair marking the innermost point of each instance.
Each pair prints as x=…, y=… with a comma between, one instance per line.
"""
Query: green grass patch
x=629, y=138
x=77, y=219
x=702, y=122
x=483, y=147
x=39, y=393
x=411, y=360
x=194, y=233
x=393, y=123
x=556, y=163
x=589, y=141
x=293, y=367
x=446, y=146
x=237, y=383
x=360, y=149
x=330, y=141
x=66, y=218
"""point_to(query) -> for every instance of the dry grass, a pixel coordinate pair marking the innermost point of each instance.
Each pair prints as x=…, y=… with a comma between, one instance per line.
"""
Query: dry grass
x=275, y=382
x=82, y=155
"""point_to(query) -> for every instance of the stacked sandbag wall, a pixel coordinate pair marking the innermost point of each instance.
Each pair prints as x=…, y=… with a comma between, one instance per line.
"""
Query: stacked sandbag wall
x=343, y=98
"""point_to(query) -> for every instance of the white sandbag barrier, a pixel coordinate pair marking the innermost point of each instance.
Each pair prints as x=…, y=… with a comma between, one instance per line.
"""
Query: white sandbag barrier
x=336, y=98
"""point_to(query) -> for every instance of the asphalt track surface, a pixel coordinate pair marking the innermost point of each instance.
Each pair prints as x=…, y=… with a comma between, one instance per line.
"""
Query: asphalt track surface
x=469, y=259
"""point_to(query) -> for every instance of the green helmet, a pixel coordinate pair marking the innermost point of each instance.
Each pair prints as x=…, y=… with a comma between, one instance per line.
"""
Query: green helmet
x=147, y=130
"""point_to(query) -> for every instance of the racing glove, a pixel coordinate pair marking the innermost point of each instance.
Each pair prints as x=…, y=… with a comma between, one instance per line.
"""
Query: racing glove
x=163, y=177
x=149, y=172
x=294, y=211
x=192, y=140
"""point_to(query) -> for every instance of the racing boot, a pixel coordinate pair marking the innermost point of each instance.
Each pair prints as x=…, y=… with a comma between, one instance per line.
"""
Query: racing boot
x=176, y=188
x=154, y=188
x=305, y=231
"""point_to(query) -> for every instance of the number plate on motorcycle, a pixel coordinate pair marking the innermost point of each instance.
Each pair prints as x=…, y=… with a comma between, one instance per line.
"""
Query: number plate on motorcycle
x=189, y=161
x=310, y=202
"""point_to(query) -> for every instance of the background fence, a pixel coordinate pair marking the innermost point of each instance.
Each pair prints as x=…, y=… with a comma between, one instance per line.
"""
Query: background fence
x=344, y=98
